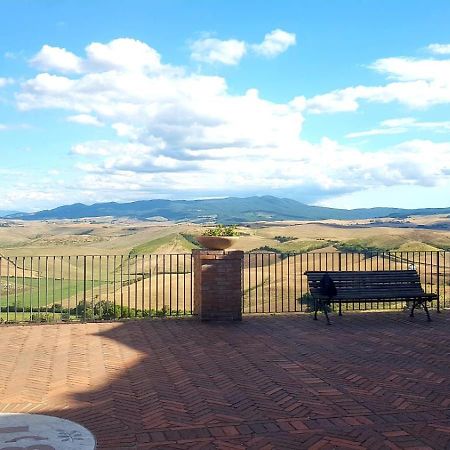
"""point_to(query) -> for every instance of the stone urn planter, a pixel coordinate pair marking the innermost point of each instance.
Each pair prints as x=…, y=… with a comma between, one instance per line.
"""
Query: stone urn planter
x=217, y=242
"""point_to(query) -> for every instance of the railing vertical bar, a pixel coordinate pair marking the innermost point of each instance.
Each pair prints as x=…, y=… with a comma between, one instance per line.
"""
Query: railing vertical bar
x=289, y=282
x=1, y=303
x=164, y=282
x=76, y=286
x=108, y=303
x=263, y=283
x=46, y=285
x=243, y=285
x=128, y=287
x=84, y=288
x=121, y=286
x=7, y=288
x=276, y=282
x=1, y=279
x=249, y=281
x=256, y=282
x=157, y=282
x=53, y=285
x=116, y=315
x=143, y=284
x=170, y=284
x=191, y=283
x=184, y=284
x=269, y=280
x=61, y=285
x=444, y=278
x=100, y=301
x=92, y=285
x=438, y=284
x=150, y=304
x=425, y=270
x=301, y=281
x=23, y=288
x=371, y=267
x=177, y=274
x=135, y=286
x=31, y=286
x=243, y=281
x=295, y=283
x=15, y=289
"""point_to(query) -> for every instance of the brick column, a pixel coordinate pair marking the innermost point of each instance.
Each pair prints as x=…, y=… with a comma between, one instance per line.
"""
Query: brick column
x=217, y=284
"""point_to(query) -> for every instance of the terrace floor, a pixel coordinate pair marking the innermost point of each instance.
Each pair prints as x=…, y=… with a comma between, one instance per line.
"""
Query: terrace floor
x=372, y=380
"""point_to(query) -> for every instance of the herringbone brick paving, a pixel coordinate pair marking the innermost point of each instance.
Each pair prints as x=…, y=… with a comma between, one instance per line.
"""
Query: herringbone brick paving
x=370, y=381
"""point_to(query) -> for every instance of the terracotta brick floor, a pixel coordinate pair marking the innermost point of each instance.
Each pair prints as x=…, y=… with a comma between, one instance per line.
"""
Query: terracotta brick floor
x=369, y=381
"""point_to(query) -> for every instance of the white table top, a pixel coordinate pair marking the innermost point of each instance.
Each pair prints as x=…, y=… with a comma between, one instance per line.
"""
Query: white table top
x=36, y=431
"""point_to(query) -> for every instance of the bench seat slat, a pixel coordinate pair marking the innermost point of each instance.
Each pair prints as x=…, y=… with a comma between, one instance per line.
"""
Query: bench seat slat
x=367, y=293
x=379, y=273
x=373, y=298
x=349, y=276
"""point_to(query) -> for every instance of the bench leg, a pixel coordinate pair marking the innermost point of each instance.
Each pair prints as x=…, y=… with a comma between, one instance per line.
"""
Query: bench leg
x=324, y=308
x=340, y=308
x=411, y=314
x=316, y=307
x=425, y=307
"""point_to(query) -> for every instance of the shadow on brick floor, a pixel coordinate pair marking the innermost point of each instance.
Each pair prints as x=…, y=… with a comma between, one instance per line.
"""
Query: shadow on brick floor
x=369, y=381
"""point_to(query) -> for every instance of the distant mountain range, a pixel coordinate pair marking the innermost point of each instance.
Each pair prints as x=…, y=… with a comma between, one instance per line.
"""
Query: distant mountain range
x=4, y=212
x=225, y=210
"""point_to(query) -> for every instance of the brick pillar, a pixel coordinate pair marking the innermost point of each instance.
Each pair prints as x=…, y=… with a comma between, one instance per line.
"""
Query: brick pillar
x=217, y=284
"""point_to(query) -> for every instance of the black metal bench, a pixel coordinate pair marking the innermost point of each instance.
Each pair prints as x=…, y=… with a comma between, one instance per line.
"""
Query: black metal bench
x=368, y=286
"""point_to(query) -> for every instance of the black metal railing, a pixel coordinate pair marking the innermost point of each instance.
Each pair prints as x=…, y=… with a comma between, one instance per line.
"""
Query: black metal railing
x=275, y=282
x=112, y=287
x=63, y=288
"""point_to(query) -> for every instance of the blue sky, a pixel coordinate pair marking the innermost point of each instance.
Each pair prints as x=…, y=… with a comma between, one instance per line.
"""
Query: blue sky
x=341, y=103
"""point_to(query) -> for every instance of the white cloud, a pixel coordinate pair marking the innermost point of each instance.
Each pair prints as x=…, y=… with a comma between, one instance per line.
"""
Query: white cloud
x=85, y=119
x=401, y=122
x=119, y=54
x=56, y=58
x=274, y=43
x=230, y=52
x=326, y=168
x=439, y=49
x=184, y=134
x=417, y=83
x=403, y=125
x=123, y=54
x=410, y=69
x=212, y=50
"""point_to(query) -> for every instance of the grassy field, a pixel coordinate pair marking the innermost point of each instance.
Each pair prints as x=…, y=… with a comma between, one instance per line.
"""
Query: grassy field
x=40, y=292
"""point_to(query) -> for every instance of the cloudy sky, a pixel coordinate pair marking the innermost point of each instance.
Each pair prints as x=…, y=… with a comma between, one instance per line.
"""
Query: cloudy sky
x=343, y=103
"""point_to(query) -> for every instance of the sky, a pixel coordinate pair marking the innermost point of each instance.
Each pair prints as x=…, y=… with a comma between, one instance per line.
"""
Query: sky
x=338, y=103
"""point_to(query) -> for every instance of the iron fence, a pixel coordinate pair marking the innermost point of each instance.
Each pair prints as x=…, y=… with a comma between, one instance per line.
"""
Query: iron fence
x=64, y=288
x=275, y=282
x=112, y=287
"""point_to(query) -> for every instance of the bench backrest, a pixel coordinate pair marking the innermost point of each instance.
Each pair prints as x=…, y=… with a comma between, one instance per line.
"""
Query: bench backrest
x=369, y=285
